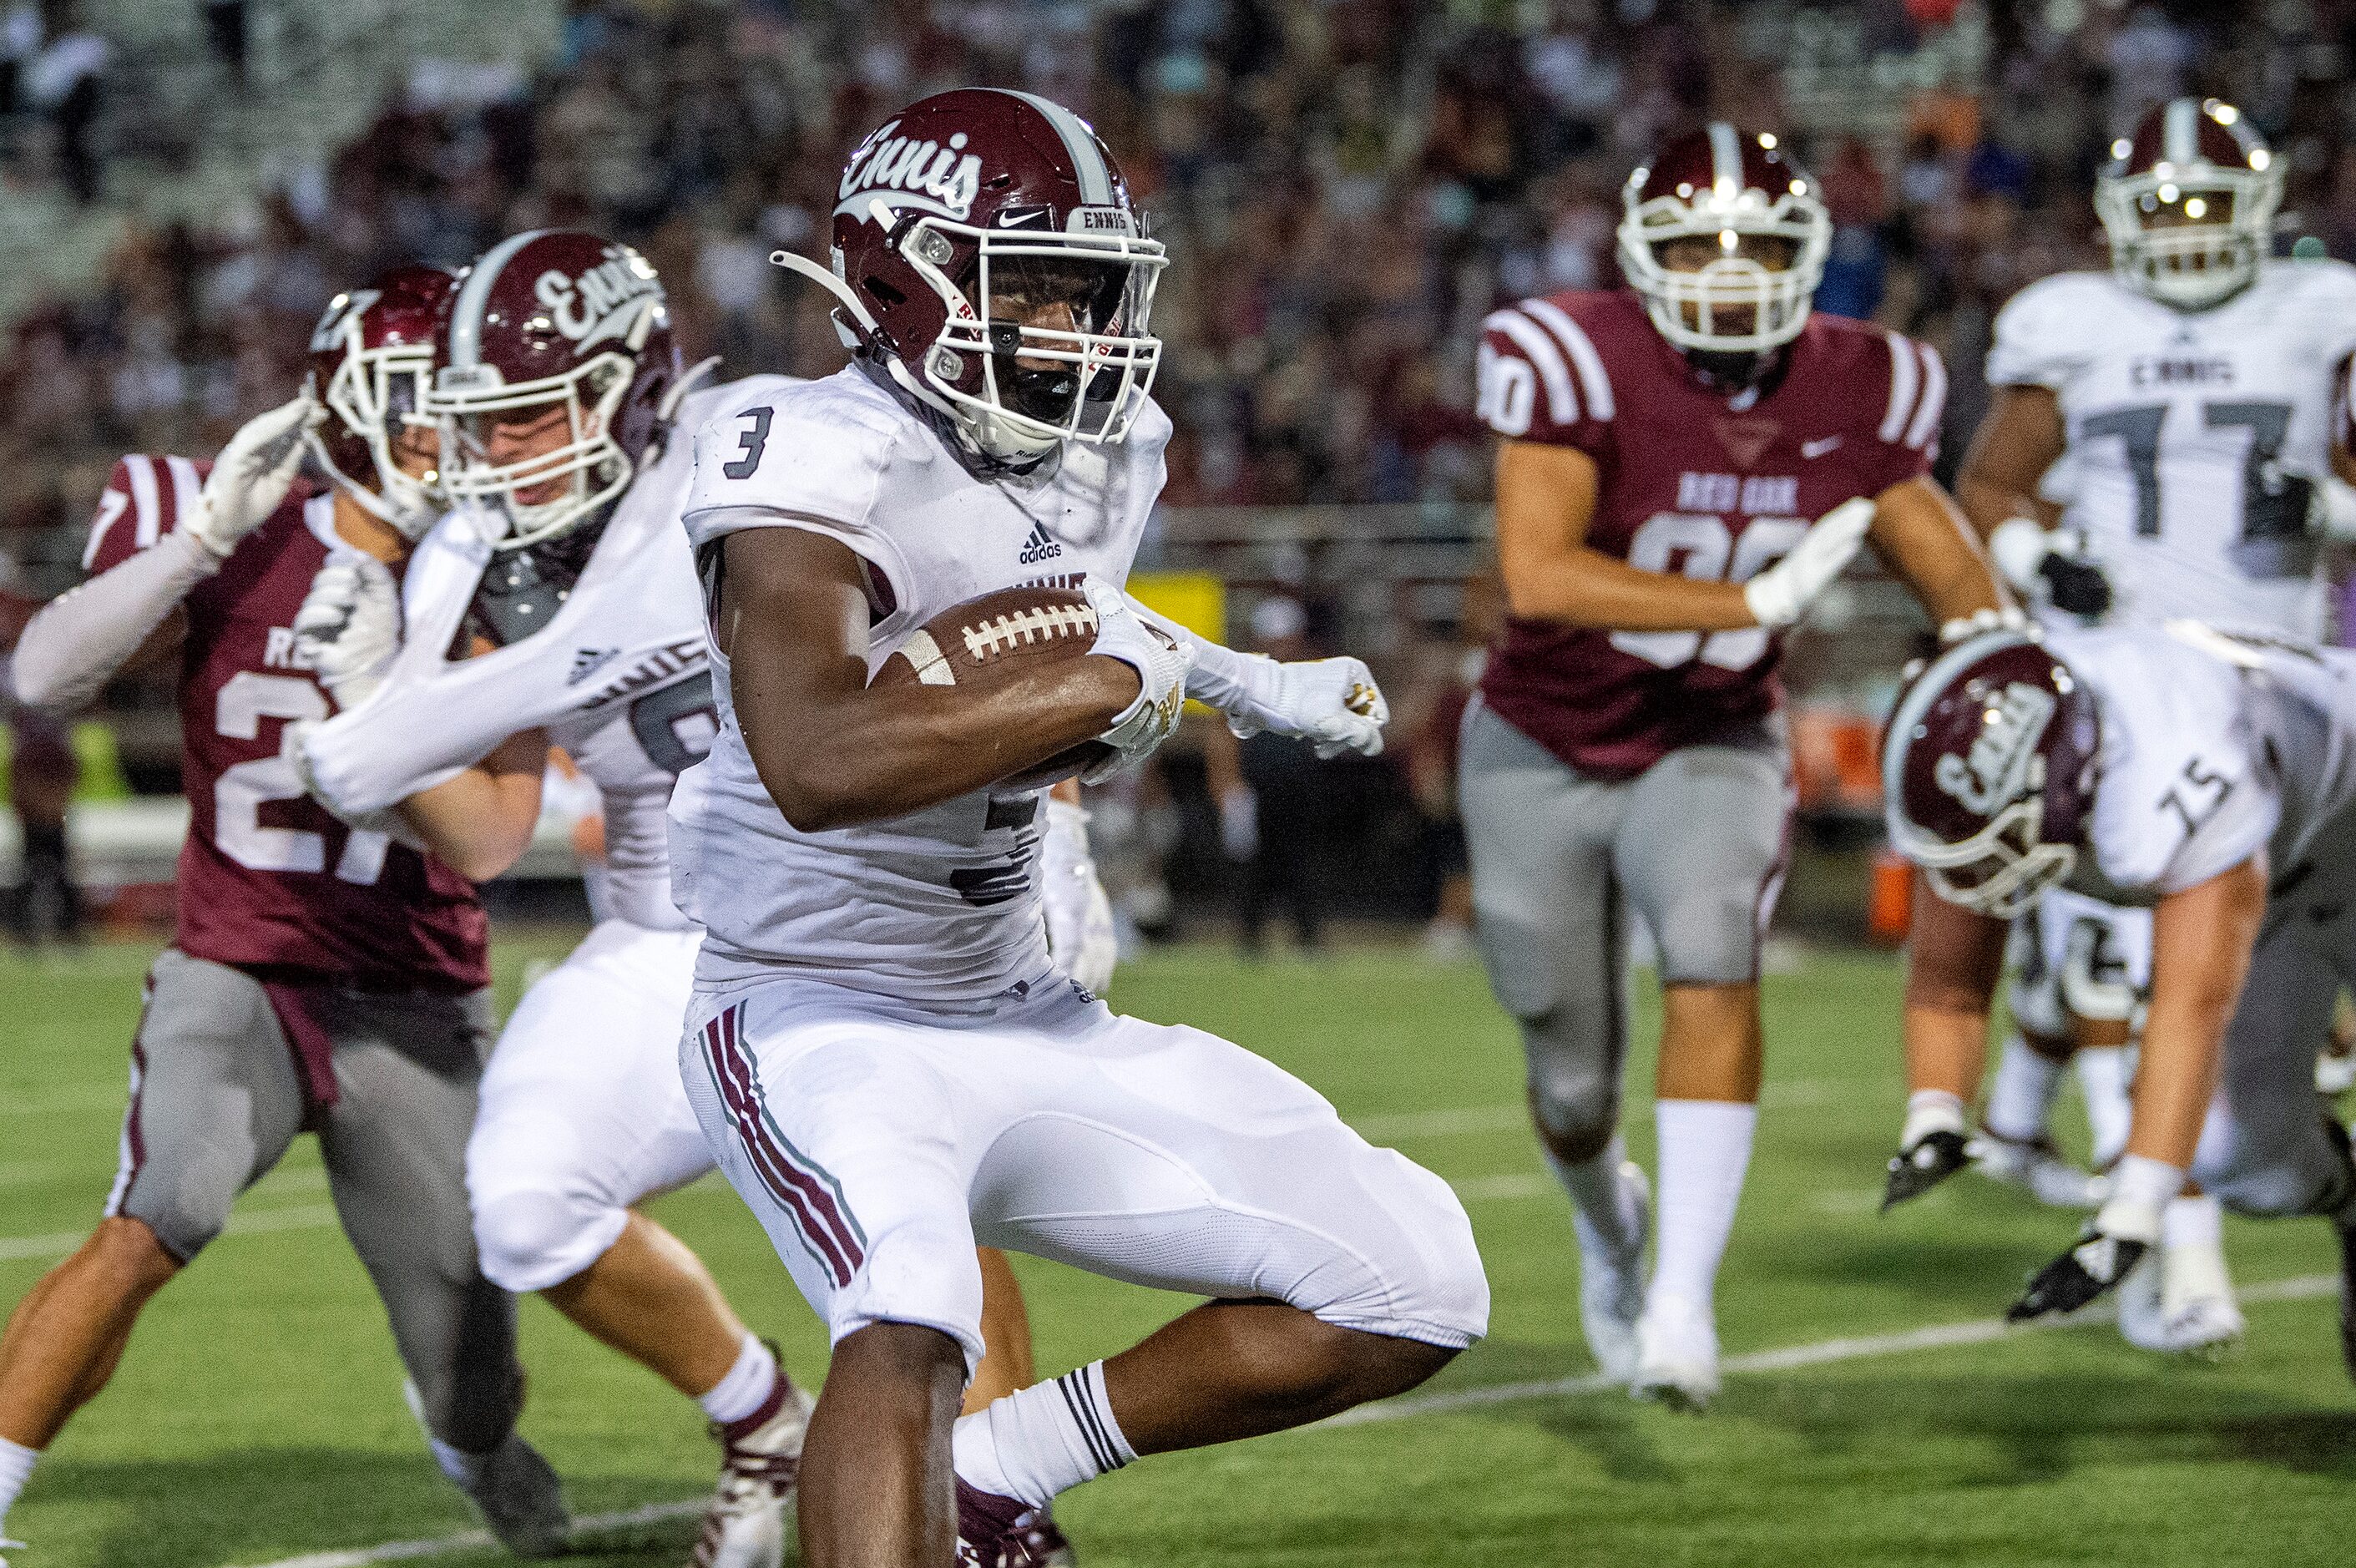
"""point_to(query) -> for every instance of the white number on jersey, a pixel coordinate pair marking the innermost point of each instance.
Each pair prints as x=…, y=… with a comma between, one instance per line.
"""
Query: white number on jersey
x=239, y=794
x=1710, y=552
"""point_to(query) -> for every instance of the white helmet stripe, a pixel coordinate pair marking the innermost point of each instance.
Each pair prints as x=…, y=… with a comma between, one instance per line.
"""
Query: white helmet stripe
x=1725, y=155
x=1096, y=180
x=465, y=347
x=2179, y=137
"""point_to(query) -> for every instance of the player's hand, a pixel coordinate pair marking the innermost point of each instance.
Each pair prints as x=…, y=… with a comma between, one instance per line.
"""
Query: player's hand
x=1160, y=662
x=2076, y=584
x=253, y=475
x=295, y=751
x=1331, y=703
x=1081, y=936
x=2107, y=1249
x=349, y=626
x=2025, y=552
x=1781, y=595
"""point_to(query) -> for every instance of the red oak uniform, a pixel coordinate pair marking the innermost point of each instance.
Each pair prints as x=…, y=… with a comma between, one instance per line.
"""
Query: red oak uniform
x=1692, y=483
x=269, y=882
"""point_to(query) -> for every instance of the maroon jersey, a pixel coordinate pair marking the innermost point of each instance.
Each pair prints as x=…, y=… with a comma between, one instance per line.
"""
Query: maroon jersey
x=268, y=880
x=1692, y=481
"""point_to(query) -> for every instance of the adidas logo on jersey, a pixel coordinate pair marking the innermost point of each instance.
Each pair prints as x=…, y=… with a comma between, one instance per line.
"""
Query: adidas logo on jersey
x=1039, y=547
x=587, y=662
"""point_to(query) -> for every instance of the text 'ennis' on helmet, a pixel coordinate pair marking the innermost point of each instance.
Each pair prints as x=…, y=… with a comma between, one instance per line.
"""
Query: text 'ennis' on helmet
x=1988, y=772
x=2189, y=203
x=371, y=362
x=1726, y=239
x=558, y=372
x=989, y=259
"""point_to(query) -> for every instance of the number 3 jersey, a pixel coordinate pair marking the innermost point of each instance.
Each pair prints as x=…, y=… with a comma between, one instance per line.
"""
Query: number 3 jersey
x=1693, y=483
x=2194, y=438
x=618, y=676
x=2213, y=746
x=939, y=907
x=268, y=881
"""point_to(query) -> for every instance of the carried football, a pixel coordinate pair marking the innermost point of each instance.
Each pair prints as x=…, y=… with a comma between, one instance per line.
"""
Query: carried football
x=1010, y=627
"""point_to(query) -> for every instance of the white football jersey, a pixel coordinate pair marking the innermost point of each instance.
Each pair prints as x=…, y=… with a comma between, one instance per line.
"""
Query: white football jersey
x=619, y=677
x=2213, y=747
x=942, y=906
x=2193, y=437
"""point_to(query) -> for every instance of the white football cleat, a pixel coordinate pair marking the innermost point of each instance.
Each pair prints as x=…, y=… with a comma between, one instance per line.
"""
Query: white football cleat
x=2038, y=1168
x=1611, y=1280
x=8, y=1545
x=2335, y=1074
x=1677, y=1356
x=746, y=1524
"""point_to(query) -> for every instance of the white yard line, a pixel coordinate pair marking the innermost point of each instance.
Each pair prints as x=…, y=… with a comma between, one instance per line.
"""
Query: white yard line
x=1939, y=1336
x=254, y=1222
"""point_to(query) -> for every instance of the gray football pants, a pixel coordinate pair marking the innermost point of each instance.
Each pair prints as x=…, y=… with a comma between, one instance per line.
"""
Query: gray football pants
x=216, y=1099
x=2263, y=1150
x=1695, y=846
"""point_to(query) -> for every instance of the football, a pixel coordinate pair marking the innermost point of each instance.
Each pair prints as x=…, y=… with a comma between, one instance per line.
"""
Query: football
x=1010, y=627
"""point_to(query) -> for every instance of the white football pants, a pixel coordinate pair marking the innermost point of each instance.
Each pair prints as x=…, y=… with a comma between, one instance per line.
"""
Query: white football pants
x=879, y=1142
x=583, y=1112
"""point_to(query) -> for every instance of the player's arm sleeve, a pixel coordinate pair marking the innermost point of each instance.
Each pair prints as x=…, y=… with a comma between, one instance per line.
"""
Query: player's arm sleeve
x=1540, y=378
x=796, y=461
x=420, y=730
x=142, y=570
x=1908, y=383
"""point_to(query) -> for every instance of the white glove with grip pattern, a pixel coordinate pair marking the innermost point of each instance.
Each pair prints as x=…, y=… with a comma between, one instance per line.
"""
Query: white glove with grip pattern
x=1331, y=703
x=349, y=627
x=251, y=475
x=1781, y=595
x=1081, y=936
x=1160, y=662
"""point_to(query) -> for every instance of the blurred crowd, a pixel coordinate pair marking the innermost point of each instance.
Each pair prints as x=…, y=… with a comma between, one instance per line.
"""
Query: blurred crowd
x=1348, y=185
x=1347, y=188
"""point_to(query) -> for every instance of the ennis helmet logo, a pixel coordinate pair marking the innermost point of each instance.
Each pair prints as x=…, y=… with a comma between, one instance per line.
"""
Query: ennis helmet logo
x=922, y=174
x=604, y=302
x=2003, y=764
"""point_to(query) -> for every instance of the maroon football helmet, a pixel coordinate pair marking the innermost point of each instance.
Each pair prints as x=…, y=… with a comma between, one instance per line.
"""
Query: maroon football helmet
x=1735, y=189
x=371, y=364
x=1987, y=772
x=2189, y=203
x=987, y=255
x=553, y=320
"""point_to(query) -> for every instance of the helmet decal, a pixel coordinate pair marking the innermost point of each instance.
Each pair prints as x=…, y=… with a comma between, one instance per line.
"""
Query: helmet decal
x=2003, y=763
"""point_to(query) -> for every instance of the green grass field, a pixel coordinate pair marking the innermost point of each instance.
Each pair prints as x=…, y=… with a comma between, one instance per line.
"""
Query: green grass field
x=258, y=1416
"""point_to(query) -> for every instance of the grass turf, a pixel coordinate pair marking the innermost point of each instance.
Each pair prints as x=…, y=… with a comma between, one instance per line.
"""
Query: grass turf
x=258, y=1414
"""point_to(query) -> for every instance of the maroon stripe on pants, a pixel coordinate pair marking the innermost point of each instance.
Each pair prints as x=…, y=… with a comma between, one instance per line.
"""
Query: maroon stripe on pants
x=745, y=1115
x=797, y=1167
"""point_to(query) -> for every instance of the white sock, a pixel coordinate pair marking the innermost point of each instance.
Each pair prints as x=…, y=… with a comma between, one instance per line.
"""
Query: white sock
x=16, y=1469
x=2195, y=1221
x=1042, y=1440
x=746, y=1387
x=1704, y=1148
x=465, y=1469
x=1930, y=1110
x=2110, y=1110
x=2020, y=1096
x=1601, y=1206
x=2141, y=1190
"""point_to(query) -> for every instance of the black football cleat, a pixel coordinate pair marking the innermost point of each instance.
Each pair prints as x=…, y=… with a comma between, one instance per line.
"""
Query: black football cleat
x=2078, y=1275
x=1932, y=1159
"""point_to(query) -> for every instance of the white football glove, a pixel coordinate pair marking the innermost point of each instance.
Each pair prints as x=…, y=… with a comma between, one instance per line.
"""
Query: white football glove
x=1780, y=595
x=1160, y=662
x=295, y=751
x=1331, y=703
x=1081, y=936
x=253, y=475
x=349, y=627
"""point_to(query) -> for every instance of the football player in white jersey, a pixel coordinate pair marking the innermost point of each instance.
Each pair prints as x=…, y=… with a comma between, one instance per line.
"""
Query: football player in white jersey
x=2205, y=777
x=2155, y=443
x=885, y=1063
x=560, y=607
